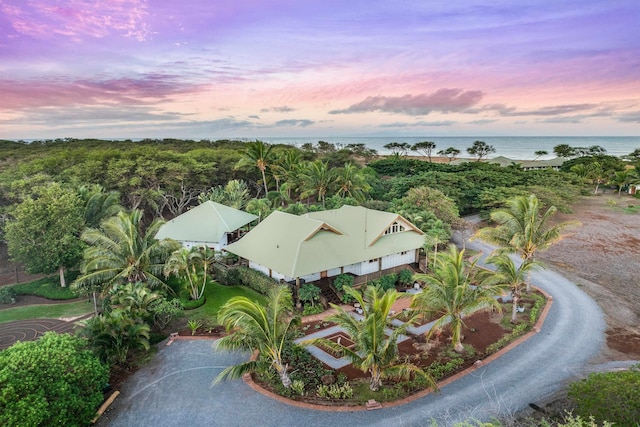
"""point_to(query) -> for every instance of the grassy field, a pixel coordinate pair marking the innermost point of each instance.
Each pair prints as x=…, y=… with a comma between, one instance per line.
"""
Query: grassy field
x=46, y=311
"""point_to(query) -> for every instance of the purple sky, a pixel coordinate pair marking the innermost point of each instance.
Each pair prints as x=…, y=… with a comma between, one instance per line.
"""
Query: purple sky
x=222, y=68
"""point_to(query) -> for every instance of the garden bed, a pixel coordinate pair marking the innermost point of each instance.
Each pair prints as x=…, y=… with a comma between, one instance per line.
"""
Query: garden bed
x=483, y=335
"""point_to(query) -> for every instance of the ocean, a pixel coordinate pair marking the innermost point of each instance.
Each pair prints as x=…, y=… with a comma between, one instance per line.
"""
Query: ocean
x=513, y=147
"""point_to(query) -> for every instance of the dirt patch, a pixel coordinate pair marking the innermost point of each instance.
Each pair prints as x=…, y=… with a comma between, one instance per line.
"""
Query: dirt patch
x=602, y=256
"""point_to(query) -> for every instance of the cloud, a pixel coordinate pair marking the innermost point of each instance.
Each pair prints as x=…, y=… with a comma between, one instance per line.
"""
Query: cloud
x=633, y=117
x=293, y=122
x=91, y=115
x=416, y=124
x=58, y=92
x=76, y=19
x=254, y=117
x=481, y=122
x=442, y=100
x=283, y=109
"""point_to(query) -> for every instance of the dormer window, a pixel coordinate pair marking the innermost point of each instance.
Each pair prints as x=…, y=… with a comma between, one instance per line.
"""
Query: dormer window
x=395, y=228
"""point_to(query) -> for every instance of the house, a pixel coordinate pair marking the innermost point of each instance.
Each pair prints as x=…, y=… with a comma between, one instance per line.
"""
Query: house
x=210, y=224
x=634, y=189
x=324, y=244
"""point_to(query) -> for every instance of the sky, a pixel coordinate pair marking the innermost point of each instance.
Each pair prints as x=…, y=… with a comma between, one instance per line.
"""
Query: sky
x=213, y=69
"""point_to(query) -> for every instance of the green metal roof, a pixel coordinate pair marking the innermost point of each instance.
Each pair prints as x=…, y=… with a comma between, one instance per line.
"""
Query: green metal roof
x=302, y=245
x=205, y=223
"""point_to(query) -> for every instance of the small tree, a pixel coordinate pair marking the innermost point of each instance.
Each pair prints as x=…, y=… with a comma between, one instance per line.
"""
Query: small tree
x=480, y=150
x=44, y=233
x=540, y=153
x=424, y=147
x=450, y=153
x=51, y=381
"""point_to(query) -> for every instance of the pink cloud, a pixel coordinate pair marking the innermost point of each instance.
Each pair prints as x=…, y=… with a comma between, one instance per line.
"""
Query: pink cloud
x=129, y=91
x=443, y=100
x=76, y=19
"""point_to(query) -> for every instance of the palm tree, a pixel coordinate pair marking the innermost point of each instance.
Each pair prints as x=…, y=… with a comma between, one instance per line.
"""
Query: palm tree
x=193, y=264
x=374, y=351
x=450, y=295
x=316, y=180
x=112, y=335
x=257, y=327
x=98, y=204
x=514, y=277
x=351, y=182
x=122, y=251
x=622, y=178
x=523, y=228
x=597, y=174
x=258, y=154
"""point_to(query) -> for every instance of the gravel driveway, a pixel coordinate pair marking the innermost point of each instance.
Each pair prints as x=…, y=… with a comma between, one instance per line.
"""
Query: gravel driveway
x=174, y=389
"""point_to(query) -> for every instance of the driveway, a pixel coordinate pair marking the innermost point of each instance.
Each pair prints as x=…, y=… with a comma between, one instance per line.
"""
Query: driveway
x=174, y=389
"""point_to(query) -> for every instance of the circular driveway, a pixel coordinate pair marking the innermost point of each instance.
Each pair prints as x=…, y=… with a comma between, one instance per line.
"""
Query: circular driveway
x=174, y=389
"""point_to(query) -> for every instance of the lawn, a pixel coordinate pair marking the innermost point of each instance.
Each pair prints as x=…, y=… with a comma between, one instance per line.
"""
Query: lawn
x=217, y=295
x=46, y=311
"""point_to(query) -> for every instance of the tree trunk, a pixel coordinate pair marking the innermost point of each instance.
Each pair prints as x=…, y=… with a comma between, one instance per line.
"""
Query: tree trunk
x=282, y=372
x=63, y=283
x=298, y=303
x=95, y=304
x=514, y=310
x=376, y=381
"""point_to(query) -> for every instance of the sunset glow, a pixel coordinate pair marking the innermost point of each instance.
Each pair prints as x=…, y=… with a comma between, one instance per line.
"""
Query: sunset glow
x=224, y=69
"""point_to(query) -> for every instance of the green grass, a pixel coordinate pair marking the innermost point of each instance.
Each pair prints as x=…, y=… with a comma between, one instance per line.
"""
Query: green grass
x=48, y=287
x=217, y=295
x=46, y=311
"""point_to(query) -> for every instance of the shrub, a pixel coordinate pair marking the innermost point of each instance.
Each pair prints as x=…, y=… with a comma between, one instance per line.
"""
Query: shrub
x=193, y=325
x=387, y=281
x=254, y=279
x=48, y=287
x=609, y=396
x=335, y=391
x=7, y=295
x=165, y=311
x=312, y=309
x=341, y=281
x=405, y=277
x=51, y=381
x=310, y=292
x=192, y=304
x=298, y=387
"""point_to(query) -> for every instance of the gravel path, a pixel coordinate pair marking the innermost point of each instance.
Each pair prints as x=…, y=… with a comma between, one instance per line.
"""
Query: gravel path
x=174, y=389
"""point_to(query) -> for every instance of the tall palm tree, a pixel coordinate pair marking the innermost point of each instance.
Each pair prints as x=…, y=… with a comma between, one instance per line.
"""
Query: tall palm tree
x=351, y=182
x=121, y=250
x=453, y=291
x=258, y=154
x=515, y=277
x=257, y=327
x=523, y=228
x=193, y=264
x=374, y=351
x=316, y=180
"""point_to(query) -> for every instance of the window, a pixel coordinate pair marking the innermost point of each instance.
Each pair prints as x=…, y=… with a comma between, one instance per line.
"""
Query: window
x=395, y=228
